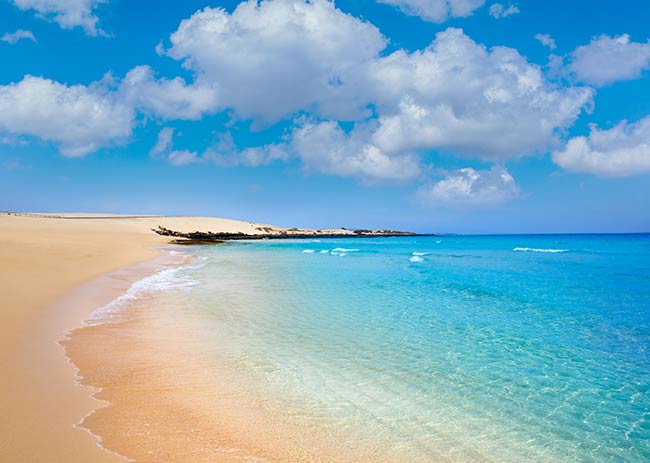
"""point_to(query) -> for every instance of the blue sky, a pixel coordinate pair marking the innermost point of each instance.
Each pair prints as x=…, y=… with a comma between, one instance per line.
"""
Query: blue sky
x=460, y=116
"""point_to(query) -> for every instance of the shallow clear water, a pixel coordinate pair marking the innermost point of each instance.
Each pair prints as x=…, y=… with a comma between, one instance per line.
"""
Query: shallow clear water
x=493, y=348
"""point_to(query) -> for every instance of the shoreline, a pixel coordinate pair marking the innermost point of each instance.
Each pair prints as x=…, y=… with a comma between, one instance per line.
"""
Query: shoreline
x=138, y=385
x=47, y=258
x=166, y=399
x=104, y=291
x=133, y=406
x=43, y=264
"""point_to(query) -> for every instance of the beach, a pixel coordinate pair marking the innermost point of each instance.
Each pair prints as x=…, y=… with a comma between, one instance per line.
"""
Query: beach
x=44, y=257
x=424, y=349
x=320, y=231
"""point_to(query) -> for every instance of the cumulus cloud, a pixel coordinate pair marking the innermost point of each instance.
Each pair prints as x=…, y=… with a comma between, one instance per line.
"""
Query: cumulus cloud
x=609, y=59
x=79, y=119
x=470, y=187
x=320, y=146
x=326, y=147
x=436, y=11
x=546, y=40
x=20, y=34
x=66, y=13
x=620, y=151
x=271, y=59
x=456, y=95
x=498, y=11
x=166, y=98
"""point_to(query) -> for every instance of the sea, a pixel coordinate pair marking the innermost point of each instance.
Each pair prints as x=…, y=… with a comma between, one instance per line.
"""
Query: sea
x=439, y=348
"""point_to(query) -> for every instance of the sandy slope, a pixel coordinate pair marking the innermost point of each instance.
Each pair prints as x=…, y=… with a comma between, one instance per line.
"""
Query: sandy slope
x=42, y=258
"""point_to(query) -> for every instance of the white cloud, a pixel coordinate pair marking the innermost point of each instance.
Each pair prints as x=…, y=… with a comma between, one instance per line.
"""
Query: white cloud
x=546, y=40
x=66, y=13
x=223, y=154
x=166, y=98
x=77, y=118
x=458, y=96
x=252, y=157
x=455, y=95
x=13, y=140
x=275, y=58
x=470, y=187
x=609, y=59
x=20, y=34
x=164, y=141
x=322, y=147
x=183, y=157
x=325, y=147
x=620, y=151
x=436, y=11
x=80, y=119
x=498, y=11
x=282, y=59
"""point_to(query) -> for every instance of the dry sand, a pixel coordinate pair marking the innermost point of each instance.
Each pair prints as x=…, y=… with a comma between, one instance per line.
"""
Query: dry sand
x=43, y=257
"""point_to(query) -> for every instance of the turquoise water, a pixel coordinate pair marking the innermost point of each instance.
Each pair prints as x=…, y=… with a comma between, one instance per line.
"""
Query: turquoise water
x=487, y=348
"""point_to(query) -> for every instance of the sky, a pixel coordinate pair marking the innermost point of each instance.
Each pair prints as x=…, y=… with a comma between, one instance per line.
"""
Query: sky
x=444, y=116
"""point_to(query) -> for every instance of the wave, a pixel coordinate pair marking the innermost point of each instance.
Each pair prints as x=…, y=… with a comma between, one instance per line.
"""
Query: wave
x=334, y=252
x=540, y=250
x=419, y=253
x=344, y=250
x=416, y=259
x=164, y=280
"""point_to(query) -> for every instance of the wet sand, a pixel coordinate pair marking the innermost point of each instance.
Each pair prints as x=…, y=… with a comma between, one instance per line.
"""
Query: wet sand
x=44, y=257
x=138, y=388
x=171, y=402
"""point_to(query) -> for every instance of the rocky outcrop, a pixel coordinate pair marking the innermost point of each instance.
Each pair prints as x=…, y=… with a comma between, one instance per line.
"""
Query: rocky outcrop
x=272, y=233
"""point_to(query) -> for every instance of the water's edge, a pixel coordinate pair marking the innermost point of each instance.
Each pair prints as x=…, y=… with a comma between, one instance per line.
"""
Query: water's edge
x=102, y=292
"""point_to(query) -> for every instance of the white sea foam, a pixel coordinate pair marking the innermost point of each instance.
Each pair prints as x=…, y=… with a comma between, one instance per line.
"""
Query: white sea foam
x=416, y=259
x=165, y=280
x=420, y=253
x=324, y=251
x=308, y=251
x=344, y=250
x=539, y=250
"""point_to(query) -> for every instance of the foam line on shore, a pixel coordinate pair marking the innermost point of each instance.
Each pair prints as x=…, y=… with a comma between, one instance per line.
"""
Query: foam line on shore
x=162, y=278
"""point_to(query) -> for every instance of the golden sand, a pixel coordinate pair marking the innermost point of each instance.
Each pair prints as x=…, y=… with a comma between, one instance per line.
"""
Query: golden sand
x=43, y=258
x=143, y=389
x=170, y=402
